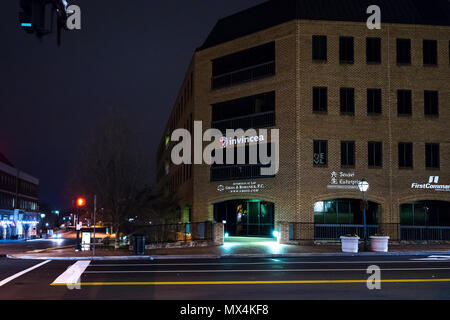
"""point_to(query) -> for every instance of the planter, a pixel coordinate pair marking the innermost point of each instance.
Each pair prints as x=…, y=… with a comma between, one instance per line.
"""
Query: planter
x=349, y=244
x=379, y=243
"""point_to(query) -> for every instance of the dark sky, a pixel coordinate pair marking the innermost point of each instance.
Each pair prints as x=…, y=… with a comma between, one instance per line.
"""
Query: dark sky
x=131, y=54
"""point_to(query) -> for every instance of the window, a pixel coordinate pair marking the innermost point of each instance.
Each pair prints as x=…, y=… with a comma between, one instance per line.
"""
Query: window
x=375, y=154
x=429, y=52
x=373, y=50
x=347, y=153
x=431, y=102
x=247, y=167
x=320, y=156
x=256, y=111
x=319, y=52
x=403, y=51
x=404, y=102
x=347, y=100
x=374, y=101
x=320, y=103
x=248, y=65
x=405, y=155
x=432, y=155
x=346, y=50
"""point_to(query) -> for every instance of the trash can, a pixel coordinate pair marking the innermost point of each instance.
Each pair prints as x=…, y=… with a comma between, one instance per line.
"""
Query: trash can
x=139, y=245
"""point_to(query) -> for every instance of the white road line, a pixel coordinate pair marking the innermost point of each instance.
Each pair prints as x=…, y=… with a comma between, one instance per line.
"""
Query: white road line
x=256, y=263
x=268, y=270
x=3, y=282
x=73, y=273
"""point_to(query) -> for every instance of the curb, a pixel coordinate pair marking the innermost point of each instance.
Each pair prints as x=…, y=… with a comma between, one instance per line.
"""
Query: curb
x=50, y=249
x=237, y=256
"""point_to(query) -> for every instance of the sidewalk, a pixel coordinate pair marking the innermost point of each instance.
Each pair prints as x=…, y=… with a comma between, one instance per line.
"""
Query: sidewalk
x=245, y=249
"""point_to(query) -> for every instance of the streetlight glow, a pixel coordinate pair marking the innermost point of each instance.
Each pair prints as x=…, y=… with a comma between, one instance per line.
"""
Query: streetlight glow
x=363, y=185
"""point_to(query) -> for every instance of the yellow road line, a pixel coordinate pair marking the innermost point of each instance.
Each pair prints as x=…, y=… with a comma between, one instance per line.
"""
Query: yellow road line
x=243, y=282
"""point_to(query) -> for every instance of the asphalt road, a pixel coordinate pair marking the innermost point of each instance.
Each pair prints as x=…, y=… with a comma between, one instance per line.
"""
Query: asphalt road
x=402, y=277
x=20, y=246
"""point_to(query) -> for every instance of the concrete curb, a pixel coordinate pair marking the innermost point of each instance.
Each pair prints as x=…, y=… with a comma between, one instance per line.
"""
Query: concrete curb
x=50, y=249
x=237, y=256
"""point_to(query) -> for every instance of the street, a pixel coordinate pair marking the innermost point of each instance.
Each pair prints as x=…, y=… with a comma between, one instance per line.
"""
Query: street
x=317, y=278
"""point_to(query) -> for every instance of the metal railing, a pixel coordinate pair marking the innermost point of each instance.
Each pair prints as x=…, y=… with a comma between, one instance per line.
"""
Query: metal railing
x=396, y=232
x=425, y=233
x=180, y=232
x=243, y=75
x=256, y=120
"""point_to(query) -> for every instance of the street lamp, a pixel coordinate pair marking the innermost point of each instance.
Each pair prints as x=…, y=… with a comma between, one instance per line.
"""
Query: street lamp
x=363, y=186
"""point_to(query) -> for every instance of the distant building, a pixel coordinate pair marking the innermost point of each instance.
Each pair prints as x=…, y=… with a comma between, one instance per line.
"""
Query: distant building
x=19, y=206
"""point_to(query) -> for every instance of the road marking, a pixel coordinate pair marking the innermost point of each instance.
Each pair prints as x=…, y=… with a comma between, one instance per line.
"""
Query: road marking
x=251, y=282
x=73, y=273
x=253, y=263
x=265, y=270
x=3, y=282
x=434, y=258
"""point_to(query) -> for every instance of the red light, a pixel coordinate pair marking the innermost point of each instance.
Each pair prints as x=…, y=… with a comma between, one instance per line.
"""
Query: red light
x=81, y=202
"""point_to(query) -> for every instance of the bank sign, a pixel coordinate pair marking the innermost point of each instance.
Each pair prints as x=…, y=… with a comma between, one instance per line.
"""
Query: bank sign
x=433, y=184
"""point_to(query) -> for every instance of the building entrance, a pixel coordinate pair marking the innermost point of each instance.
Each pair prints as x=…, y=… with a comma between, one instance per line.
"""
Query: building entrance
x=246, y=217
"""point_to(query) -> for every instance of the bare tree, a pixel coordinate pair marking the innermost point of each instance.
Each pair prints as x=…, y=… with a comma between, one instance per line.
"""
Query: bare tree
x=114, y=168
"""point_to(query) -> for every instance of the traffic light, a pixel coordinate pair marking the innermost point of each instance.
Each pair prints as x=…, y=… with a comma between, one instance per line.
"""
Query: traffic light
x=37, y=16
x=80, y=202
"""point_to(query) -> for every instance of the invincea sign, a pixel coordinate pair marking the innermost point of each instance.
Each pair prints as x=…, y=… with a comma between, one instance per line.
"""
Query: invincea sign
x=432, y=184
x=213, y=153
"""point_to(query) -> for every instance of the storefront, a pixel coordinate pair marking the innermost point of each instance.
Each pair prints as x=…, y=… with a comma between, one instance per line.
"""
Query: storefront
x=247, y=217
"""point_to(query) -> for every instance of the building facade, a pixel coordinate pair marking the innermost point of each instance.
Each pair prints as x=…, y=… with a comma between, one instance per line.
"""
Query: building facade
x=18, y=202
x=350, y=103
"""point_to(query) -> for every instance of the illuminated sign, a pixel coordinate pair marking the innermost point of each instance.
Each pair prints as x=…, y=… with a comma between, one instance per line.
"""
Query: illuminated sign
x=343, y=180
x=241, y=187
x=433, y=184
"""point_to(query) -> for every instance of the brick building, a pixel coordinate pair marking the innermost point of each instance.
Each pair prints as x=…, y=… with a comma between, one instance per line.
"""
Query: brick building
x=349, y=102
x=19, y=206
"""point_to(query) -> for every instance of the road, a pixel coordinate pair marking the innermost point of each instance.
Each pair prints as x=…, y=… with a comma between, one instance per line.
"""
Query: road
x=402, y=277
x=20, y=246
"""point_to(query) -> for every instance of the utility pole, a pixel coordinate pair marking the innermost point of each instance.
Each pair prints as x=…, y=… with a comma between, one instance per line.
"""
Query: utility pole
x=95, y=210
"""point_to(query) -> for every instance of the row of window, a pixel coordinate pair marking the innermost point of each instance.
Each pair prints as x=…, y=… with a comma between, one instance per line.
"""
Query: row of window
x=7, y=202
x=375, y=154
x=185, y=96
x=373, y=50
x=9, y=183
x=182, y=174
x=374, y=101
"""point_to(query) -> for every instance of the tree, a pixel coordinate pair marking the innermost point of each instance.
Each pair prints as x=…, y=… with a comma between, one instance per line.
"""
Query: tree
x=113, y=167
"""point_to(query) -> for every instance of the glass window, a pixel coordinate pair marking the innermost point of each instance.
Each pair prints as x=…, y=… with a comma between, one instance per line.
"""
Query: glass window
x=320, y=97
x=430, y=52
x=347, y=97
x=346, y=50
x=404, y=51
x=431, y=103
x=432, y=155
x=348, y=153
x=404, y=102
x=405, y=155
x=373, y=50
x=319, y=52
x=373, y=101
x=375, y=154
x=320, y=154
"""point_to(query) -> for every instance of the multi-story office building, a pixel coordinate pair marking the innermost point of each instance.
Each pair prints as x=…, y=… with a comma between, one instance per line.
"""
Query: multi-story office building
x=18, y=202
x=349, y=102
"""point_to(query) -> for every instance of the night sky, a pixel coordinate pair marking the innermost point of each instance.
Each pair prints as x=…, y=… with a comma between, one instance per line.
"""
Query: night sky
x=129, y=54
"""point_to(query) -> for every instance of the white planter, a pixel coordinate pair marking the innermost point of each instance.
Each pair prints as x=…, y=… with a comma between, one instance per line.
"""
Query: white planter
x=379, y=243
x=349, y=244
